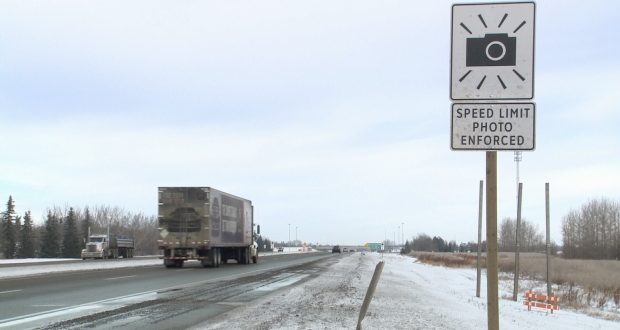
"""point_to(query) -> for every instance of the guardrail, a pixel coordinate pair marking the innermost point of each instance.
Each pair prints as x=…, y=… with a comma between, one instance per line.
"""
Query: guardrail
x=532, y=299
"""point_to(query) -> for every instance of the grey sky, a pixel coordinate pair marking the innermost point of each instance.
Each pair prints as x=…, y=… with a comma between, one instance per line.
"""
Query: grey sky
x=333, y=116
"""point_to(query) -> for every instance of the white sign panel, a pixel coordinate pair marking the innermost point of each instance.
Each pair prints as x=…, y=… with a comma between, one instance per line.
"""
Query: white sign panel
x=492, y=51
x=493, y=126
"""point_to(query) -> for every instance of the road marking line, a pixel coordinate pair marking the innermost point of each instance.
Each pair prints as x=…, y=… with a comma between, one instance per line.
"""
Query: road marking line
x=1, y=292
x=230, y=303
x=116, y=278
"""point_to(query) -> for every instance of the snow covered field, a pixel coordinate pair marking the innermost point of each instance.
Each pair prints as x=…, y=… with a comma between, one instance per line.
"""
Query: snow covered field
x=410, y=295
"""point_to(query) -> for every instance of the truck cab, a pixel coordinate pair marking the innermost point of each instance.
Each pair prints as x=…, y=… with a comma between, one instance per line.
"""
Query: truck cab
x=96, y=247
x=104, y=246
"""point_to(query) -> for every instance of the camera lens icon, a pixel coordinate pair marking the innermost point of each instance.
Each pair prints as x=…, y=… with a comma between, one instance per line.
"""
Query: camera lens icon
x=492, y=50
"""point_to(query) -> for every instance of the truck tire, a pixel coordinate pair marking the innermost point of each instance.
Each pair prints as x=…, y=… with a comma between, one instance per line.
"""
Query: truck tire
x=218, y=257
x=254, y=259
x=169, y=263
x=245, y=256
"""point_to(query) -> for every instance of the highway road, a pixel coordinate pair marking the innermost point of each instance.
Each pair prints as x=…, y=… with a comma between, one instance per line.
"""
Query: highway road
x=154, y=297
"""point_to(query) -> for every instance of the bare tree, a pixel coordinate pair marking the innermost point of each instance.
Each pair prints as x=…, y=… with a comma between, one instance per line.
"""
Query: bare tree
x=592, y=232
x=530, y=237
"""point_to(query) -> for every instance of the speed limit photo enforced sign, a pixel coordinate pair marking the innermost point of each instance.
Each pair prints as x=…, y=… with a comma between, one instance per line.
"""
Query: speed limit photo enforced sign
x=492, y=56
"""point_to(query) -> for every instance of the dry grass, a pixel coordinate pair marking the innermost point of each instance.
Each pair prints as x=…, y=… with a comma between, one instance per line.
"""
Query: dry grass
x=448, y=259
x=579, y=283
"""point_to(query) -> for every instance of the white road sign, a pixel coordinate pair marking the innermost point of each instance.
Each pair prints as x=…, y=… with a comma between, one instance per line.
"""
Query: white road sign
x=492, y=51
x=493, y=126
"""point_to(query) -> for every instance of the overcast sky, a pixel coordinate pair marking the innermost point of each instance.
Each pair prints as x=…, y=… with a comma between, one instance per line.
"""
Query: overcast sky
x=331, y=116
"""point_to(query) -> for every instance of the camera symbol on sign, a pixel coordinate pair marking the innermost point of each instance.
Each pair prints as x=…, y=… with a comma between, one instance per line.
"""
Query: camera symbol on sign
x=492, y=50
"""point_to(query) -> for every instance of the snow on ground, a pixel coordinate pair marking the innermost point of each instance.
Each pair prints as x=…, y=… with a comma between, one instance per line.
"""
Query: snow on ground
x=42, y=268
x=31, y=260
x=410, y=295
x=16, y=267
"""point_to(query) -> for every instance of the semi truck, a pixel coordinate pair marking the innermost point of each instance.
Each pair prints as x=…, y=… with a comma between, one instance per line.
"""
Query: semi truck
x=108, y=247
x=205, y=224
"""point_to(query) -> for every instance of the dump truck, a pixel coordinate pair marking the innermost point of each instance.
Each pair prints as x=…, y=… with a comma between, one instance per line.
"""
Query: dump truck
x=108, y=247
x=205, y=224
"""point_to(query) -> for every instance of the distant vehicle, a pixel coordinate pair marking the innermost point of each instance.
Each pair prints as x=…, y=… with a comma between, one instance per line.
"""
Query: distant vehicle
x=336, y=249
x=108, y=247
x=345, y=250
x=205, y=224
x=351, y=250
x=280, y=249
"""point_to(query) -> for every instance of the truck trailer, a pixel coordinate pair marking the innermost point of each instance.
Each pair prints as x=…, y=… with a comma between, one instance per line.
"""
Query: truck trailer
x=205, y=224
x=108, y=247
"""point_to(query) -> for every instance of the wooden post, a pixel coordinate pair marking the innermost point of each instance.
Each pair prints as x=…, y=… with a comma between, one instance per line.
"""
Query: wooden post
x=515, y=291
x=370, y=293
x=492, y=291
x=548, y=239
x=478, y=275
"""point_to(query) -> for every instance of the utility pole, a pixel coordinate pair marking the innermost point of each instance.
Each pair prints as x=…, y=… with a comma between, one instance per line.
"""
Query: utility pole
x=402, y=228
x=295, y=233
x=289, y=233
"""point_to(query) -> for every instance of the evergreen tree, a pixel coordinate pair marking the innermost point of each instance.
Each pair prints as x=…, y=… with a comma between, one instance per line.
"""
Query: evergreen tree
x=9, y=239
x=26, y=238
x=17, y=228
x=86, y=223
x=71, y=246
x=50, y=245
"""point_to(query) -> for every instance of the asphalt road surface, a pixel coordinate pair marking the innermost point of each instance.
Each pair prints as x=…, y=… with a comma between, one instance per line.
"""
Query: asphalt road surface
x=152, y=297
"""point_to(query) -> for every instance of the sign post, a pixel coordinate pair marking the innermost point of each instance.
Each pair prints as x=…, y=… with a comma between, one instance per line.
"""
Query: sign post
x=492, y=61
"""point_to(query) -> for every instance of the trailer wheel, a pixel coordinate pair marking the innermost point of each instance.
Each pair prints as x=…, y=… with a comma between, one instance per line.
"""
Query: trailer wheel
x=218, y=258
x=254, y=259
x=245, y=256
x=169, y=263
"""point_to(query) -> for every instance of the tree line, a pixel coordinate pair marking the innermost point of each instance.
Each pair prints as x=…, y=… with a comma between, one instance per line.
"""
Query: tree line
x=65, y=231
x=530, y=240
x=592, y=232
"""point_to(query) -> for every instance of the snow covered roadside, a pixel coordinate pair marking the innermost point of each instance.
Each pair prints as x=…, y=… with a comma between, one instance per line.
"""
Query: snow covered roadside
x=410, y=295
x=15, y=268
x=43, y=268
